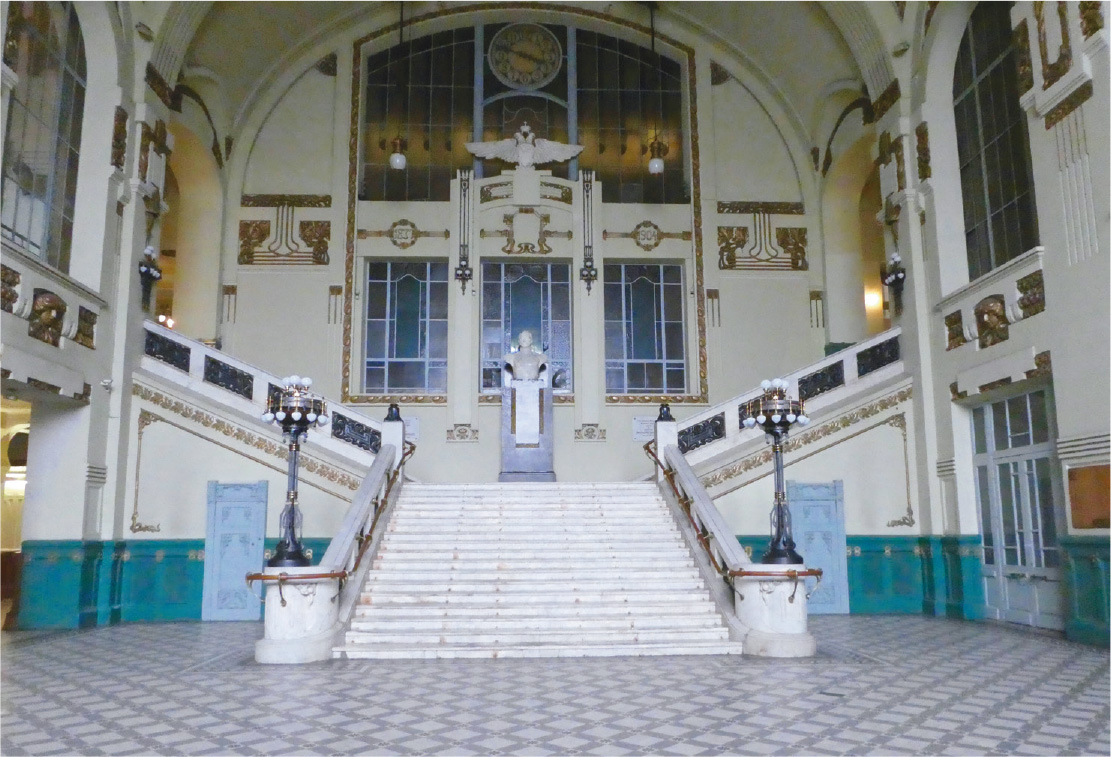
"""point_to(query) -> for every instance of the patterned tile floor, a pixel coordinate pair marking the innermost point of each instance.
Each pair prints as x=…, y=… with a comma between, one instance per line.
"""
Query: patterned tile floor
x=879, y=685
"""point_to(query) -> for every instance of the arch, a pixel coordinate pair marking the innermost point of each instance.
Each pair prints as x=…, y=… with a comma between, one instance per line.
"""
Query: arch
x=860, y=28
x=194, y=225
x=178, y=27
x=935, y=93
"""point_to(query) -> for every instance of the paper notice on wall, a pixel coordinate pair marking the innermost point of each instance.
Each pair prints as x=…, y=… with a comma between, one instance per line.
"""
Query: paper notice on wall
x=644, y=428
x=412, y=429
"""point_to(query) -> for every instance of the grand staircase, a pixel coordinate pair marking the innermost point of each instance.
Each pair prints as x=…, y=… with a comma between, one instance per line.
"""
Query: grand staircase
x=533, y=570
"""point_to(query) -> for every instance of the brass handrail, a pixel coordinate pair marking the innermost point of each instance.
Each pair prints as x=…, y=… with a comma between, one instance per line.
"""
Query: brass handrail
x=685, y=504
x=281, y=578
x=792, y=574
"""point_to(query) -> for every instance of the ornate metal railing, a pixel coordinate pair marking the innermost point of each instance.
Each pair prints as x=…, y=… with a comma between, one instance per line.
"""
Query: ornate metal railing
x=818, y=385
x=245, y=382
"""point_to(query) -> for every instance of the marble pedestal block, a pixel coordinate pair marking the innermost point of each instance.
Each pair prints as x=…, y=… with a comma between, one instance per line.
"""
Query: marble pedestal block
x=775, y=610
x=302, y=628
x=526, y=432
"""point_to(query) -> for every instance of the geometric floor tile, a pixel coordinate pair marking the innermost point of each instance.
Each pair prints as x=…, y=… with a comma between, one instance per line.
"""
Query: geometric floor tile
x=878, y=685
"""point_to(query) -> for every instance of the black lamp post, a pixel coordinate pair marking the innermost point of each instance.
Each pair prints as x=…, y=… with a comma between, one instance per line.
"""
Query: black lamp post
x=295, y=410
x=775, y=412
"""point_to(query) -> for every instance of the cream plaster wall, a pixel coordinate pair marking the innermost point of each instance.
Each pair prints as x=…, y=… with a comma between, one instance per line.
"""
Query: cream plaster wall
x=751, y=159
x=174, y=497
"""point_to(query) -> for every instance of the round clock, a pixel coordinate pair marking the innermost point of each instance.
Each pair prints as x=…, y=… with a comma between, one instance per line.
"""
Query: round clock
x=525, y=56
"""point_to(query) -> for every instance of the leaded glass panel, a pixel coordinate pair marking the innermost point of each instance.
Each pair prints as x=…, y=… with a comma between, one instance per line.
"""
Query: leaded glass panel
x=526, y=296
x=406, y=327
x=644, y=332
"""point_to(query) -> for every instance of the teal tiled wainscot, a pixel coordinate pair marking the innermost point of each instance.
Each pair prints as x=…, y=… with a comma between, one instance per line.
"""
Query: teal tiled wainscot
x=80, y=584
x=935, y=575
x=1085, y=579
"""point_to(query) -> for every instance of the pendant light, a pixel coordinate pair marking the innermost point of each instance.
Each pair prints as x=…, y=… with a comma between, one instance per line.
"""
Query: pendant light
x=656, y=149
x=399, y=145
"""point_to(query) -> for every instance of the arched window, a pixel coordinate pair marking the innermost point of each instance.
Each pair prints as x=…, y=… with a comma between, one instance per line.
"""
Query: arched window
x=570, y=85
x=45, y=49
x=993, y=147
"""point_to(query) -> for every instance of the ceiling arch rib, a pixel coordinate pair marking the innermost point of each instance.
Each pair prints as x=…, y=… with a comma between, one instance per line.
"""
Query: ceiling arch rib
x=863, y=37
x=181, y=23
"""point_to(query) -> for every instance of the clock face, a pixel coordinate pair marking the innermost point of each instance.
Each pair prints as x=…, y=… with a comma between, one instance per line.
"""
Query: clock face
x=525, y=56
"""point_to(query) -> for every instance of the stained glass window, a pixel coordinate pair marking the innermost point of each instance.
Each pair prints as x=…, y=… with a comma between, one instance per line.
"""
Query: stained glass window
x=534, y=297
x=644, y=329
x=406, y=327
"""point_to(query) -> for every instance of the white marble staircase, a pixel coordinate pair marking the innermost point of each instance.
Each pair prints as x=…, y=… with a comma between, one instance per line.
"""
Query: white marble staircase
x=533, y=570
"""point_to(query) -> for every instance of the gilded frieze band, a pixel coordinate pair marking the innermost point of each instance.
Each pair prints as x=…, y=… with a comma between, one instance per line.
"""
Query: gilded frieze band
x=242, y=435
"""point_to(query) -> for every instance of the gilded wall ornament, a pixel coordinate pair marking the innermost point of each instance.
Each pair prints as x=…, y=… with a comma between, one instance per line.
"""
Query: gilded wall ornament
x=1023, y=63
x=991, y=320
x=403, y=234
x=922, y=149
x=9, y=288
x=86, y=328
x=1053, y=71
x=500, y=190
x=718, y=74
x=954, y=330
x=251, y=235
x=738, y=207
x=1074, y=100
x=44, y=386
x=47, y=313
x=883, y=103
x=730, y=240
x=462, y=432
x=513, y=247
x=793, y=242
x=328, y=65
x=931, y=7
x=317, y=234
x=1043, y=366
x=998, y=384
x=283, y=200
x=1031, y=289
x=1091, y=17
x=151, y=138
x=555, y=192
x=162, y=89
x=119, y=138
x=647, y=235
x=956, y=393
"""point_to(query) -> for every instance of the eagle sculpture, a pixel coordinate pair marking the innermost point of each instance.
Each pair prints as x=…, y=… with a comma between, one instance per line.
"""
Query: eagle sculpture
x=524, y=149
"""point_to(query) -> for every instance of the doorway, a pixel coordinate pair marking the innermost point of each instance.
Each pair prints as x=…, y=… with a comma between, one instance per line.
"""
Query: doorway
x=1018, y=489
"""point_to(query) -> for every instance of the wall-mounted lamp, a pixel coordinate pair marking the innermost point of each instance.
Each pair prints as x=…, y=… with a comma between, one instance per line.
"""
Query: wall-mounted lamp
x=894, y=276
x=397, y=157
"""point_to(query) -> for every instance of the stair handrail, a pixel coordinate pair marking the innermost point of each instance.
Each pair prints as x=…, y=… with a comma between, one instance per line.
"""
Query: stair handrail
x=850, y=360
x=710, y=528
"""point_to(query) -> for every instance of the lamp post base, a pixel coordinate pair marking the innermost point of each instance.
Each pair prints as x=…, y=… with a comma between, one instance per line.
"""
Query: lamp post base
x=780, y=555
x=286, y=557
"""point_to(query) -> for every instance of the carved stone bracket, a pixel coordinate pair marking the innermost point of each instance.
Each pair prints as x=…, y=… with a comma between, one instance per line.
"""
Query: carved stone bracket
x=1091, y=17
x=9, y=288
x=1031, y=290
x=954, y=330
x=403, y=234
x=48, y=312
x=887, y=98
x=590, y=432
x=1023, y=64
x=922, y=149
x=151, y=139
x=1043, y=366
x=647, y=235
x=85, y=334
x=991, y=321
x=462, y=432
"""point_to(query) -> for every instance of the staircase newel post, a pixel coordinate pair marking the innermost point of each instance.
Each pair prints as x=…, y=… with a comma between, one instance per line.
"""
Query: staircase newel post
x=667, y=434
x=393, y=432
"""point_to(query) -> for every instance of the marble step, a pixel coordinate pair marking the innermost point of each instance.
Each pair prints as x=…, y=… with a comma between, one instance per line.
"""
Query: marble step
x=536, y=576
x=420, y=563
x=398, y=596
x=539, y=531
x=498, y=651
x=577, y=636
x=494, y=624
x=528, y=551
x=602, y=609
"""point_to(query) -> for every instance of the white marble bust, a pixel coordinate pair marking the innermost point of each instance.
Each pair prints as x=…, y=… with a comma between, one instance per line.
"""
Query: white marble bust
x=527, y=363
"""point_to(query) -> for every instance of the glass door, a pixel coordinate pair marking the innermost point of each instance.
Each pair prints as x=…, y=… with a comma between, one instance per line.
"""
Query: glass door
x=1017, y=492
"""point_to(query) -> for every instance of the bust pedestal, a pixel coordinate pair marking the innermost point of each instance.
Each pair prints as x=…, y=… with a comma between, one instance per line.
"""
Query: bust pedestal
x=526, y=431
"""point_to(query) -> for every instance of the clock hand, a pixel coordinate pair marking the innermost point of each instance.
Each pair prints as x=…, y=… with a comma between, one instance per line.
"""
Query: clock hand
x=529, y=57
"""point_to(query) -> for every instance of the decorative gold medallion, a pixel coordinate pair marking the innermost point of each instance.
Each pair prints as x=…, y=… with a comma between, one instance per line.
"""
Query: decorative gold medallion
x=525, y=56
